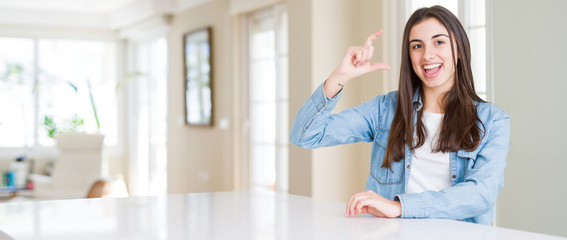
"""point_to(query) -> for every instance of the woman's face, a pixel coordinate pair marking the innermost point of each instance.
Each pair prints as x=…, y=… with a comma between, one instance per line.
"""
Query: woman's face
x=430, y=54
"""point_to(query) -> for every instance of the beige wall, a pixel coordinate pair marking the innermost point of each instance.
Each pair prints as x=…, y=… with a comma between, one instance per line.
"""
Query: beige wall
x=320, y=33
x=530, y=84
x=200, y=158
x=339, y=172
x=334, y=28
x=300, y=88
x=370, y=20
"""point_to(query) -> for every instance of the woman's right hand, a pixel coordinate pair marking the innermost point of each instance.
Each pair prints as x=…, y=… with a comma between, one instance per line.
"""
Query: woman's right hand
x=356, y=62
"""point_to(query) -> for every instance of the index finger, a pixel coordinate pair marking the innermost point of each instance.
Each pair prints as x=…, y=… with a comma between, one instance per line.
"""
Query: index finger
x=372, y=37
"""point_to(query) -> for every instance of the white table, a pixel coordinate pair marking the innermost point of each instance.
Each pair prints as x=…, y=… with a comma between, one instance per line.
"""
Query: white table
x=225, y=215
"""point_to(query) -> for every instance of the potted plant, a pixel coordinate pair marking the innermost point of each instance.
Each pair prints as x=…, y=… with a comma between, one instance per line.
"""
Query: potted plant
x=79, y=163
x=73, y=124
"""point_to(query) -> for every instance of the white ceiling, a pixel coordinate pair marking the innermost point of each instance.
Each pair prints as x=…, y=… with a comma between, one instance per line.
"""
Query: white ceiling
x=93, y=6
x=86, y=14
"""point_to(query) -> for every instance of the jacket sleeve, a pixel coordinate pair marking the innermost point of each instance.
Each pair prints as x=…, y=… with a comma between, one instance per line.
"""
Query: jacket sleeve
x=314, y=125
x=477, y=194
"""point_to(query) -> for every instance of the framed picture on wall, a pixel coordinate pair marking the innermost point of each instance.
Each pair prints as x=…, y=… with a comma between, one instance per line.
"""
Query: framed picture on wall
x=198, y=77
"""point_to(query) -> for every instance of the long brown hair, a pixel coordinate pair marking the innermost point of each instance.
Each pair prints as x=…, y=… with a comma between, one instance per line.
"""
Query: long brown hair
x=459, y=129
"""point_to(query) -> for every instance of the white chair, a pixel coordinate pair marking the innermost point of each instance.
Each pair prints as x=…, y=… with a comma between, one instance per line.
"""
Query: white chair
x=78, y=166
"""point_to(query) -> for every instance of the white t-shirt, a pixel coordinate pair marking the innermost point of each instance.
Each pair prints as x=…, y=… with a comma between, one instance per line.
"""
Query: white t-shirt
x=428, y=170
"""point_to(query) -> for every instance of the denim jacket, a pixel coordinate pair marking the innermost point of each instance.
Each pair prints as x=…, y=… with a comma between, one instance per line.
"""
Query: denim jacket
x=477, y=176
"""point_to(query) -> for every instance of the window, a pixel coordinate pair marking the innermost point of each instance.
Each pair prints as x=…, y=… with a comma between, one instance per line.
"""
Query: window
x=476, y=26
x=144, y=85
x=147, y=110
x=472, y=14
x=17, y=120
x=51, y=77
x=268, y=99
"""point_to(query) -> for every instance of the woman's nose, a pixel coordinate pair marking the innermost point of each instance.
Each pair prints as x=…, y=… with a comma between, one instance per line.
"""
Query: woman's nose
x=428, y=54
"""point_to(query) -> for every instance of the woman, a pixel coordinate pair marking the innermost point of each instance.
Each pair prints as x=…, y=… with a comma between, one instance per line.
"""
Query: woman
x=439, y=150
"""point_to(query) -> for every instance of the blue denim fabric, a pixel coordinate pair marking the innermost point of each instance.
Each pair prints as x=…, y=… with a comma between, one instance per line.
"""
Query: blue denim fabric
x=477, y=176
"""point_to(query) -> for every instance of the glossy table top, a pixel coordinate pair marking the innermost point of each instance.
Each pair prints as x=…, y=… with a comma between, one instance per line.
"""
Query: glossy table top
x=224, y=215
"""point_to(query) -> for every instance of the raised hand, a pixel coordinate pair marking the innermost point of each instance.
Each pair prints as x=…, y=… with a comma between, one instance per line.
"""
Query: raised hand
x=356, y=62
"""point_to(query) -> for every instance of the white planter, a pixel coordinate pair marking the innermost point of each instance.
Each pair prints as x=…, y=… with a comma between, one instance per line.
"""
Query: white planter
x=77, y=167
x=79, y=141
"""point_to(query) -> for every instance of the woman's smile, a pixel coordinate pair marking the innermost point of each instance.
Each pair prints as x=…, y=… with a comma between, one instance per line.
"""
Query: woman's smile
x=432, y=70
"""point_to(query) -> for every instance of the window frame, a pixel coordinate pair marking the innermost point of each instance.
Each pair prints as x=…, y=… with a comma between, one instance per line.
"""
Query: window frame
x=246, y=161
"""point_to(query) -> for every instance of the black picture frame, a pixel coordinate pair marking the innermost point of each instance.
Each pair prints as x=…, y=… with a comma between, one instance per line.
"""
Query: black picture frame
x=198, y=77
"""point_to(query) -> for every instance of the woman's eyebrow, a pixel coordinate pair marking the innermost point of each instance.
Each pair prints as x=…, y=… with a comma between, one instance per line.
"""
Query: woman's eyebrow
x=434, y=36
x=438, y=35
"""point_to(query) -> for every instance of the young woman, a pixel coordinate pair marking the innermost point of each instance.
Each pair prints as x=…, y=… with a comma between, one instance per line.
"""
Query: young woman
x=439, y=150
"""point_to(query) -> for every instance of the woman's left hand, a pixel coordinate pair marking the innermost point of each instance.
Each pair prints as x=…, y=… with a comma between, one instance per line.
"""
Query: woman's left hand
x=372, y=203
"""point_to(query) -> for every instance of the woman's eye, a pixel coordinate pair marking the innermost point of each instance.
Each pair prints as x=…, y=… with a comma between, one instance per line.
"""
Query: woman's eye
x=439, y=42
x=417, y=46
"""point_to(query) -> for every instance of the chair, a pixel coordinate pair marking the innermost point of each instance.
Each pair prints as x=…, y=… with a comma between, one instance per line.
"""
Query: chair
x=108, y=188
x=78, y=166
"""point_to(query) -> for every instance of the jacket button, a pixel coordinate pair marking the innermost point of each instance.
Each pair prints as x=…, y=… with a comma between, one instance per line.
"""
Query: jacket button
x=454, y=176
x=408, y=166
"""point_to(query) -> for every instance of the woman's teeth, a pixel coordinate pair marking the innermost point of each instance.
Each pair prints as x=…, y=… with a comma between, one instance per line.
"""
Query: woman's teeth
x=432, y=66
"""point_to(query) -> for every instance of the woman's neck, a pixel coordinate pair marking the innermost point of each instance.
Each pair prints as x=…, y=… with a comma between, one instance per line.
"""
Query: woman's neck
x=433, y=101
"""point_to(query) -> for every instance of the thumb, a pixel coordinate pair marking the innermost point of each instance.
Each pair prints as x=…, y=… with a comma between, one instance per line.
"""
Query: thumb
x=378, y=66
